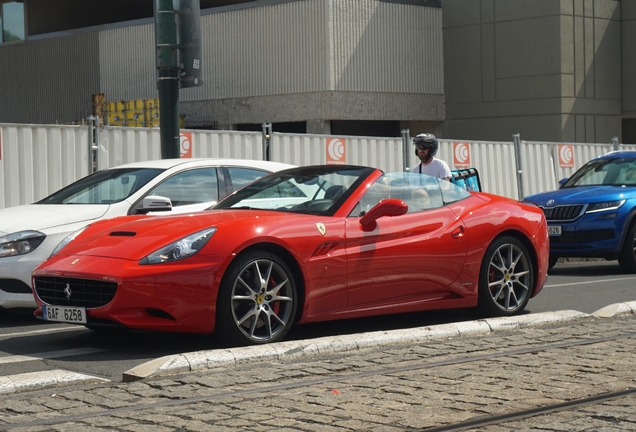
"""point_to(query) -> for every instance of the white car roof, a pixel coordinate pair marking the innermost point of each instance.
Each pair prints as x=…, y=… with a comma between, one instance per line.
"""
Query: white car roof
x=170, y=163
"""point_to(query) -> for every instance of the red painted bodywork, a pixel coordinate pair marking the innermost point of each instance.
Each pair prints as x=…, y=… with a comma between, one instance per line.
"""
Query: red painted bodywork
x=407, y=263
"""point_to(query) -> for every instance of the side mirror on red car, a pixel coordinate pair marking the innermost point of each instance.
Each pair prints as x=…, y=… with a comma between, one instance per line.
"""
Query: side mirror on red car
x=386, y=207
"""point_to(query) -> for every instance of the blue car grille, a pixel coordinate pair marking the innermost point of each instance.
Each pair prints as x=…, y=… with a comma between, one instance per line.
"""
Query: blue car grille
x=588, y=236
x=88, y=293
x=562, y=213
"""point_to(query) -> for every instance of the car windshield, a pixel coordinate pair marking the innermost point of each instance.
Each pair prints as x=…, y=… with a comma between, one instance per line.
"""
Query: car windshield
x=605, y=171
x=103, y=187
x=309, y=190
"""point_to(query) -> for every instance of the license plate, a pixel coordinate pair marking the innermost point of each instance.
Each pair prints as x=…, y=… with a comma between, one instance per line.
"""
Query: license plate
x=554, y=230
x=64, y=314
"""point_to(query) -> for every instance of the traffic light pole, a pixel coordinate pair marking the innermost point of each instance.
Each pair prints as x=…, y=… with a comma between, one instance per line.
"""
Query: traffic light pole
x=167, y=78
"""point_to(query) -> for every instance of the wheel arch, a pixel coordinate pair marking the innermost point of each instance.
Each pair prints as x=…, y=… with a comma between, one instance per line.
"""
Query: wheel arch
x=630, y=220
x=528, y=244
x=293, y=264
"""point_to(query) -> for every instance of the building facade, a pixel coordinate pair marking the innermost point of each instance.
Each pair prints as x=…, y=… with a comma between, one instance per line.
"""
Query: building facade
x=553, y=70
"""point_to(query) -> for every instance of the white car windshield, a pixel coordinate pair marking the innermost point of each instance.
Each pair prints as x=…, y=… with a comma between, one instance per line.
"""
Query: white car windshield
x=103, y=187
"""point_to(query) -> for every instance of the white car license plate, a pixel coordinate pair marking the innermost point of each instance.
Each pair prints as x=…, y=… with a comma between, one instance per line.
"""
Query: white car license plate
x=64, y=314
x=554, y=230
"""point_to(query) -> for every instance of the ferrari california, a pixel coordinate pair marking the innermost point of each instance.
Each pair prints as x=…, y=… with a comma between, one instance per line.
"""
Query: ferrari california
x=29, y=233
x=301, y=245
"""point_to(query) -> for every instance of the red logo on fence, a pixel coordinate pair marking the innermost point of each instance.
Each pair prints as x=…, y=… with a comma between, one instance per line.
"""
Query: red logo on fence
x=461, y=155
x=185, y=143
x=566, y=156
x=336, y=151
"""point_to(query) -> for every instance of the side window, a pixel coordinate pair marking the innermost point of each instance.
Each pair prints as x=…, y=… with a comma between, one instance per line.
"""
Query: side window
x=240, y=176
x=452, y=193
x=12, y=21
x=378, y=191
x=421, y=192
x=189, y=187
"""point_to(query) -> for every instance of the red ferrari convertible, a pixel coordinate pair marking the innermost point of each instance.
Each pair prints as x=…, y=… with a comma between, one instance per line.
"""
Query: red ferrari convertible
x=302, y=245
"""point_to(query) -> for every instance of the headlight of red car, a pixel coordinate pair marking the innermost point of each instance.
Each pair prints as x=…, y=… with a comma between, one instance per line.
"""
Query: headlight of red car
x=181, y=249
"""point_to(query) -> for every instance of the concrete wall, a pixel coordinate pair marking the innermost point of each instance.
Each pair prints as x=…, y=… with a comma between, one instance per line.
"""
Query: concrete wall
x=628, y=52
x=321, y=60
x=49, y=81
x=547, y=69
x=294, y=61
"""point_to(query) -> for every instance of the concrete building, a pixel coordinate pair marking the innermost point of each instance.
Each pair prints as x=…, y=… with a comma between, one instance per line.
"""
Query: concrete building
x=551, y=70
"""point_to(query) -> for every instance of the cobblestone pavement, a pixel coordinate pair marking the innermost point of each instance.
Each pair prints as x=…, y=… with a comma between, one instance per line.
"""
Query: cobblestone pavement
x=430, y=385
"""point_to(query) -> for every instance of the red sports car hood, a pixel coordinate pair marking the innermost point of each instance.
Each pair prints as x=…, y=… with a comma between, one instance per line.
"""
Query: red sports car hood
x=134, y=237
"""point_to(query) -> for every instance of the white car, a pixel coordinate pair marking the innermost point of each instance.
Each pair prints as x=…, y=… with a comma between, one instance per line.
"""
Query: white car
x=29, y=233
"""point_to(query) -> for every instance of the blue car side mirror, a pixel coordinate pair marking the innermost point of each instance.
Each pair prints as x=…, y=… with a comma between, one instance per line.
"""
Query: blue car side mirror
x=562, y=182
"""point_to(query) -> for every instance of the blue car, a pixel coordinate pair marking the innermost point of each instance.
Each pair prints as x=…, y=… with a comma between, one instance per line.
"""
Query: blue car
x=592, y=214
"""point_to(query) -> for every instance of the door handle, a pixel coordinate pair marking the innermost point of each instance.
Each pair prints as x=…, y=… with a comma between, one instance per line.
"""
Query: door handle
x=458, y=232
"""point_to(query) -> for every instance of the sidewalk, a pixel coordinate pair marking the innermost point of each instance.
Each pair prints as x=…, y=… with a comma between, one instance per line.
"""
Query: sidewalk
x=417, y=379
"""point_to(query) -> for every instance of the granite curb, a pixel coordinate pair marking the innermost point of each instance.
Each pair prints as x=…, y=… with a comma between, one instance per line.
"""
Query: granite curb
x=210, y=359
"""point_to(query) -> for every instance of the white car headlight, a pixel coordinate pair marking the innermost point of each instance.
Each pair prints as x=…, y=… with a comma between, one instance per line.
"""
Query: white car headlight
x=66, y=241
x=20, y=243
x=181, y=249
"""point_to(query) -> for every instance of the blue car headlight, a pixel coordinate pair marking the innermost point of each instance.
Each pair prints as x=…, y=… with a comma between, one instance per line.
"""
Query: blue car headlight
x=20, y=243
x=604, y=206
x=181, y=249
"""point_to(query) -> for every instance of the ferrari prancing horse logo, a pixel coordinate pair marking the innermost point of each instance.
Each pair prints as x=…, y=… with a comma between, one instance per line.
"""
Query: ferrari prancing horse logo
x=321, y=228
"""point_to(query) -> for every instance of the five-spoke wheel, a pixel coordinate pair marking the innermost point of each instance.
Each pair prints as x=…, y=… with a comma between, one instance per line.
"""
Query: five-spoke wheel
x=257, y=300
x=506, y=278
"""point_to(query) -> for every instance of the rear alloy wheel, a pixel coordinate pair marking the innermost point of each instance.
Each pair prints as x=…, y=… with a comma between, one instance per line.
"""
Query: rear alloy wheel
x=506, y=277
x=257, y=300
x=627, y=257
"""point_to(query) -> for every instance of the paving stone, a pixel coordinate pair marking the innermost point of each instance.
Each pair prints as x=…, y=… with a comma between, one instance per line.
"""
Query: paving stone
x=373, y=388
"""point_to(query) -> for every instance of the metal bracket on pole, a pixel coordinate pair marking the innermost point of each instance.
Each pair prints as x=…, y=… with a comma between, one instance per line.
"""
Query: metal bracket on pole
x=517, y=143
x=267, y=138
x=406, y=144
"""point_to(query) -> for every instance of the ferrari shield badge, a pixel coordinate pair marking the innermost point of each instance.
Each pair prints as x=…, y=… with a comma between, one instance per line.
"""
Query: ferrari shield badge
x=321, y=228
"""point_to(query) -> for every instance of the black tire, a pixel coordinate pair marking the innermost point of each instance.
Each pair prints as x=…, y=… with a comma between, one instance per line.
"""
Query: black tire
x=257, y=300
x=506, y=278
x=552, y=262
x=627, y=257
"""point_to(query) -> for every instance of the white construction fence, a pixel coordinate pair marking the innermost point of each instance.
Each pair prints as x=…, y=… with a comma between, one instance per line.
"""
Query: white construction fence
x=37, y=160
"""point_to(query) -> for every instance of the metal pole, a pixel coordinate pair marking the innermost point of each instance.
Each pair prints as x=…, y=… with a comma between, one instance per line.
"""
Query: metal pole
x=517, y=143
x=406, y=144
x=167, y=77
x=267, y=137
x=90, y=144
x=615, y=142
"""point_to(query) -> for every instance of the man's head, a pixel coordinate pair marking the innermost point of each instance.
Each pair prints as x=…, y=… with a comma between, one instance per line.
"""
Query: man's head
x=426, y=146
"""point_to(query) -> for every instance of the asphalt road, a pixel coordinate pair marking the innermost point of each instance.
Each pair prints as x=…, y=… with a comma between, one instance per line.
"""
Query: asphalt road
x=28, y=345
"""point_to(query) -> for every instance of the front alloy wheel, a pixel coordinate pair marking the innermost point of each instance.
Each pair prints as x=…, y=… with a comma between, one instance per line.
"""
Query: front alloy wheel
x=257, y=300
x=506, y=277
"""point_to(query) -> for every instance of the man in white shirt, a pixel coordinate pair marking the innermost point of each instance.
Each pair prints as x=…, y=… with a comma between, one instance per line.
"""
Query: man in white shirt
x=426, y=146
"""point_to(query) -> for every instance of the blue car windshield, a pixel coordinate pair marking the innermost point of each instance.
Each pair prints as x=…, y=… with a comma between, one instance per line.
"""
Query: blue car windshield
x=605, y=172
x=103, y=187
